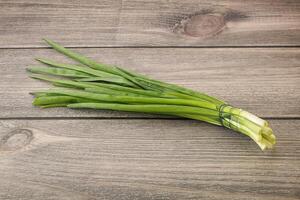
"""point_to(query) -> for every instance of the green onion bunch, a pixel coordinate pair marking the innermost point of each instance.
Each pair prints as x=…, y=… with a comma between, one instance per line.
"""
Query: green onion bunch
x=94, y=85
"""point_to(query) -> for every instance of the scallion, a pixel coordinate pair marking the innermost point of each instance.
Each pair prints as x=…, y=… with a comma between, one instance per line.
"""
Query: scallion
x=99, y=86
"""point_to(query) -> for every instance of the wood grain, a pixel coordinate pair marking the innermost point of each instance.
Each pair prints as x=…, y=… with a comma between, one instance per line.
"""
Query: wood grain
x=86, y=155
x=150, y=23
x=144, y=159
x=263, y=81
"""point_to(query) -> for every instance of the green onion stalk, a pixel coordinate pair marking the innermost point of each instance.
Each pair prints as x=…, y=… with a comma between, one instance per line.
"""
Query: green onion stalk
x=94, y=85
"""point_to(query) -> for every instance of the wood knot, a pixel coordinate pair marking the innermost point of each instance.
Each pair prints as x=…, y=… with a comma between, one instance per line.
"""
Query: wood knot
x=16, y=139
x=204, y=25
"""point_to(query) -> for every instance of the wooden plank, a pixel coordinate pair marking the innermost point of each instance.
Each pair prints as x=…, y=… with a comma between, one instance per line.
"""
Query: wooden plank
x=144, y=159
x=156, y=23
x=263, y=81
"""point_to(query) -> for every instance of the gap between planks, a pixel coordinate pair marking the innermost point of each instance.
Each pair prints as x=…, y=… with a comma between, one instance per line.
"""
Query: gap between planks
x=124, y=118
x=159, y=47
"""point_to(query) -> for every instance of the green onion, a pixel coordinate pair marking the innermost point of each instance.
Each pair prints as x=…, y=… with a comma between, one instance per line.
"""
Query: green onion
x=58, y=72
x=95, y=85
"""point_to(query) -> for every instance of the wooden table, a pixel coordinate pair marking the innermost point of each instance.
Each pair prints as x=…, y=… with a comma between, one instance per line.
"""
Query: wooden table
x=246, y=52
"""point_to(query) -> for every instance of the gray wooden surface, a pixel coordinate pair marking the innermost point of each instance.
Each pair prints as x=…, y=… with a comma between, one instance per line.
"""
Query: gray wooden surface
x=245, y=52
x=150, y=22
x=144, y=159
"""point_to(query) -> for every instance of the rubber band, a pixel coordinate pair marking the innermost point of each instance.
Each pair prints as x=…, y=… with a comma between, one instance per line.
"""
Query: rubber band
x=220, y=109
